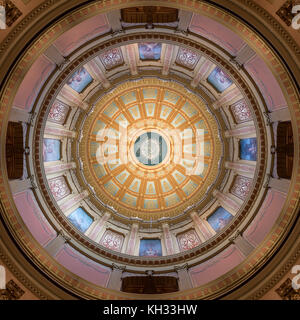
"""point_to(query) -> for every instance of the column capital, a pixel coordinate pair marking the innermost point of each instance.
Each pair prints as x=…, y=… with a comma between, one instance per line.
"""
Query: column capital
x=279, y=115
x=165, y=225
x=182, y=267
x=117, y=267
x=267, y=181
x=63, y=235
x=32, y=182
x=279, y=184
x=185, y=18
x=237, y=234
x=56, y=57
x=193, y=213
x=114, y=18
x=18, y=185
x=19, y=115
x=241, y=244
x=85, y=193
x=135, y=225
x=243, y=56
x=106, y=215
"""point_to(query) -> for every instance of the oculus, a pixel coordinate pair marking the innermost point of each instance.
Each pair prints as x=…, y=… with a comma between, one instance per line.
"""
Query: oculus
x=150, y=148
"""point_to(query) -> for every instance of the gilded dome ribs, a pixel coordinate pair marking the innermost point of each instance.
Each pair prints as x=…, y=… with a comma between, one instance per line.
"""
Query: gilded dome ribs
x=149, y=149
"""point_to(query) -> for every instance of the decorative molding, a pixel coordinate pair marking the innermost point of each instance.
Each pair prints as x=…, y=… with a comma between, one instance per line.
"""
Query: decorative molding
x=287, y=292
x=12, y=291
x=277, y=276
x=285, y=11
x=220, y=237
x=212, y=162
x=19, y=274
x=264, y=14
x=12, y=12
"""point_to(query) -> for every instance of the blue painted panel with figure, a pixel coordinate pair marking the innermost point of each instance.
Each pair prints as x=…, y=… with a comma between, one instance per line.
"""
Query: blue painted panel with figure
x=80, y=80
x=150, y=248
x=219, y=79
x=219, y=219
x=150, y=51
x=248, y=149
x=51, y=150
x=80, y=219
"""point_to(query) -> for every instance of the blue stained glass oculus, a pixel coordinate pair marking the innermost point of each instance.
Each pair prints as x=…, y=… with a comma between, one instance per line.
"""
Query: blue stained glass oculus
x=150, y=148
x=248, y=149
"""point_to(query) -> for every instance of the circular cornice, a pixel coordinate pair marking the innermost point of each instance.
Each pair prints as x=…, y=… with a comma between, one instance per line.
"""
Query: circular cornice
x=214, y=242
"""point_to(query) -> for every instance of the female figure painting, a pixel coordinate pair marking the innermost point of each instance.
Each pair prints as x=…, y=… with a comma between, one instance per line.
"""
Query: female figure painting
x=219, y=79
x=80, y=80
x=248, y=149
x=219, y=219
x=150, y=51
x=51, y=150
x=150, y=248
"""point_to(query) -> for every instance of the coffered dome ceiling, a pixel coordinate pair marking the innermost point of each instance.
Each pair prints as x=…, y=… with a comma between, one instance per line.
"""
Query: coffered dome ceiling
x=149, y=145
x=150, y=149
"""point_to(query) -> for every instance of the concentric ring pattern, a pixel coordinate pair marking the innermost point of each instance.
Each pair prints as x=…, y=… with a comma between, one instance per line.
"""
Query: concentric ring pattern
x=169, y=148
x=168, y=111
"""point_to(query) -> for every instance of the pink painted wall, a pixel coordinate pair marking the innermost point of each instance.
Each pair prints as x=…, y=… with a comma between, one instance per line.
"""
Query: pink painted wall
x=83, y=266
x=81, y=33
x=216, y=32
x=266, y=82
x=32, y=83
x=265, y=218
x=33, y=217
x=216, y=267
